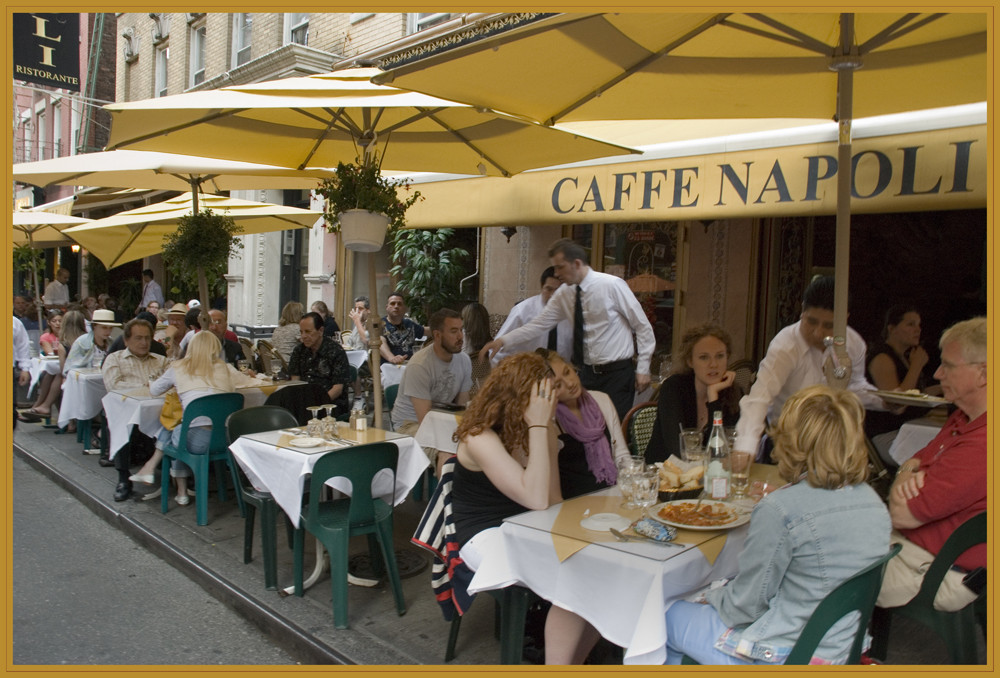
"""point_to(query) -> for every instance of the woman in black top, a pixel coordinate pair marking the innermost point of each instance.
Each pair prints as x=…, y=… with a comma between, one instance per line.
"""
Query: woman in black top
x=702, y=385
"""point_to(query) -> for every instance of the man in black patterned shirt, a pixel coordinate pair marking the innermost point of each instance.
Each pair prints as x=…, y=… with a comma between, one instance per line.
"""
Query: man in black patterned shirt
x=318, y=359
x=398, y=331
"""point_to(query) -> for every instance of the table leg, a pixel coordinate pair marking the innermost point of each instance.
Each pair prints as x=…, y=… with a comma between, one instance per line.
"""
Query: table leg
x=322, y=561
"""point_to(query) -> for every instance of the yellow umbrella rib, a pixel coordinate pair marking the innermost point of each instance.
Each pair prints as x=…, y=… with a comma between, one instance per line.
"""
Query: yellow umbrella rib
x=896, y=30
x=794, y=37
x=133, y=235
x=458, y=135
x=176, y=128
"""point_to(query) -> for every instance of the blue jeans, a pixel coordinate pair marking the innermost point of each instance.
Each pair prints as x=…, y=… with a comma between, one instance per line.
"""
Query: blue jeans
x=692, y=629
x=198, y=439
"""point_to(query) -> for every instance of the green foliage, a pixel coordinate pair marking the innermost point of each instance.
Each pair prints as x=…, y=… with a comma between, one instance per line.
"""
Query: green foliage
x=129, y=294
x=97, y=277
x=428, y=269
x=202, y=244
x=362, y=186
x=28, y=259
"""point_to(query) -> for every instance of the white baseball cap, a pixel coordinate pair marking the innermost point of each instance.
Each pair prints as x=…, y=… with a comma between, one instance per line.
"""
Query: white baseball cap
x=194, y=303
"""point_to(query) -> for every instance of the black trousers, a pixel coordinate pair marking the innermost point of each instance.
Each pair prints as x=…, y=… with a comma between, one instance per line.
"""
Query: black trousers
x=616, y=379
x=137, y=451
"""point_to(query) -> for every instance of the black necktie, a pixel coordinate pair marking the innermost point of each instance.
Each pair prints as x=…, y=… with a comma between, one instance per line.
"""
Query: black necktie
x=553, y=339
x=578, y=329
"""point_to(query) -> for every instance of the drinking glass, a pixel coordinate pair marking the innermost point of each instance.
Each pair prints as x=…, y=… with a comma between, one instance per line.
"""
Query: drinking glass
x=275, y=370
x=691, y=448
x=243, y=365
x=646, y=488
x=315, y=426
x=330, y=430
x=666, y=367
x=628, y=466
x=739, y=480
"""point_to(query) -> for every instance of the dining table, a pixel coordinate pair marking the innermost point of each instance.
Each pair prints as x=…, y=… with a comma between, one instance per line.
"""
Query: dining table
x=83, y=390
x=915, y=434
x=273, y=463
x=437, y=428
x=47, y=364
x=621, y=588
x=137, y=407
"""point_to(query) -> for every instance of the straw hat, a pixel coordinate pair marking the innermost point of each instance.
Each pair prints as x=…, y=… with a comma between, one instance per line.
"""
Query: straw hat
x=178, y=309
x=103, y=316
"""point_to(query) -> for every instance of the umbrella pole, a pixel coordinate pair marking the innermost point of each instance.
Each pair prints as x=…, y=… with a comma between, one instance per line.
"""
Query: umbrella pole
x=34, y=279
x=374, y=343
x=845, y=64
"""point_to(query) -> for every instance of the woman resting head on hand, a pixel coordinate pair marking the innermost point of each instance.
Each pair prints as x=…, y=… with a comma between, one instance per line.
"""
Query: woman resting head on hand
x=804, y=540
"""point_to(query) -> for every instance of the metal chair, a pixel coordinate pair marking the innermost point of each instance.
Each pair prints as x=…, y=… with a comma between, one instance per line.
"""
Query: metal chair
x=637, y=427
x=957, y=629
x=216, y=407
x=333, y=523
x=268, y=355
x=255, y=420
x=248, y=351
x=857, y=594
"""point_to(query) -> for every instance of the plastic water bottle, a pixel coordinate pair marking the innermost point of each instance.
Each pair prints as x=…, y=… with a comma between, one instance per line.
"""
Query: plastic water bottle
x=717, y=474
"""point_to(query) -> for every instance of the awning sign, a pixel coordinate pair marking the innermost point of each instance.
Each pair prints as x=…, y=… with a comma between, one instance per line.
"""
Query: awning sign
x=47, y=49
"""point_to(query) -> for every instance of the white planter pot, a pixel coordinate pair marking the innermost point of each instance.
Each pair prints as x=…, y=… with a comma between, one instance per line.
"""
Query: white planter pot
x=363, y=231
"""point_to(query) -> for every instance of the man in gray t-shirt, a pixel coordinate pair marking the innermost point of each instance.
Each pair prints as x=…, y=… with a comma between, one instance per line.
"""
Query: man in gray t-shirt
x=440, y=373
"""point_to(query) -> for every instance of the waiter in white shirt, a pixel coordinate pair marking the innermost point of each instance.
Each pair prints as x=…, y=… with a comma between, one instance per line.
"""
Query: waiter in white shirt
x=558, y=339
x=151, y=291
x=794, y=360
x=57, y=291
x=605, y=315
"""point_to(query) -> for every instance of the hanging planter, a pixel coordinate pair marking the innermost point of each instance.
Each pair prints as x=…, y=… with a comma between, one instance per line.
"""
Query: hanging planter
x=363, y=231
x=364, y=206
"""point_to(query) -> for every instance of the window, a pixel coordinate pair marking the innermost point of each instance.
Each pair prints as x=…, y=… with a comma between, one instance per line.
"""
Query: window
x=242, y=25
x=57, y=130
x=197, y=47
x=44, y=152
x=297, y=28
x=418, y=21
x=160, y=77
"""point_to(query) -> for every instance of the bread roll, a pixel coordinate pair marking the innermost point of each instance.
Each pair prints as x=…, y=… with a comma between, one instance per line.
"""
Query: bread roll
x=669, y=479
x=695, y=473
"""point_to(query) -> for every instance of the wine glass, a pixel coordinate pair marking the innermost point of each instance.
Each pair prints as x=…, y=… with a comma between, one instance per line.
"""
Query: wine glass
x=330, y=429
x=243, y=365
x=315, y=426
x=275, y=370
x=646, y=488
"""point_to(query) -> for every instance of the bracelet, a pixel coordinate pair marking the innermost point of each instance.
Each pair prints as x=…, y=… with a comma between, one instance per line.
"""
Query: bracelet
x=538, y=426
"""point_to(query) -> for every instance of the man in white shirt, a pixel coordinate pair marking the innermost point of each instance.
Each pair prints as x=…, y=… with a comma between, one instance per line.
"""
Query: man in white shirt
x=794, y=360
x=440, y=373
x=150, y=291
x=22, y=363
x=611, y=315
x=57, y=291
x=558, y=339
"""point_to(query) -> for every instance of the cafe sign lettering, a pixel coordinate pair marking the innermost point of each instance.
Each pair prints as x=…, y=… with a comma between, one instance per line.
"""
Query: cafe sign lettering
x=919, y=171
x=47, y=49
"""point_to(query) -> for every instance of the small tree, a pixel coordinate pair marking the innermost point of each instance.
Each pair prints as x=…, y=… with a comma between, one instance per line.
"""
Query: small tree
x=199, y=250
x=428, y=269
x=29, y=260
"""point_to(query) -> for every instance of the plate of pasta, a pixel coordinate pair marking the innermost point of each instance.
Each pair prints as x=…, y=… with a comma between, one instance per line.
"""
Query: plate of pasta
x=711, y=515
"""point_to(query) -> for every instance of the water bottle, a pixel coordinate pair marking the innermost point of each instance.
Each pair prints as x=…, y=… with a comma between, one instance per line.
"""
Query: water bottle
x=717, y=474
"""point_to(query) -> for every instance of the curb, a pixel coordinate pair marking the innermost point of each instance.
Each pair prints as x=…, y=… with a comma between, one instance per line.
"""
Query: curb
x=285, y=632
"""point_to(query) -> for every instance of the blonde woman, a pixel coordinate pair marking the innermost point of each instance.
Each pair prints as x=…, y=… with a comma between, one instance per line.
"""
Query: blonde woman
x=805, y=539
x=286, y=334
x=200, y=372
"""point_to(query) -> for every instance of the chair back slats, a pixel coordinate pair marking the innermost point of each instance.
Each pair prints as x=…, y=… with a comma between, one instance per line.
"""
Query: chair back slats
x=257, y=419
x=745, y=374
x=857, y=594
x=968, y=534
x=637, y=426
x=216, y=407
x=359, y=464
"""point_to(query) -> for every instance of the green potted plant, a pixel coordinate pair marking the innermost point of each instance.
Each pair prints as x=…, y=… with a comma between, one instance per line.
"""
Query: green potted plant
x=363, y=206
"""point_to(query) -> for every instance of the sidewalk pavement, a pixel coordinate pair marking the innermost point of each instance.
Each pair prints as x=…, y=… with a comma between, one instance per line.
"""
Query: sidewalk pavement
x=213, y=557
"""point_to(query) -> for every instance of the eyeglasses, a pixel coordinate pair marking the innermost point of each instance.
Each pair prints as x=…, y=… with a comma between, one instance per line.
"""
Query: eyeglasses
x=947, y=366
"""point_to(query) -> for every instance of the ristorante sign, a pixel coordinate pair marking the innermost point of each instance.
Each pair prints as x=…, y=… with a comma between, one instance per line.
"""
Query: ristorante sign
x=47, y=49
x=939, y=169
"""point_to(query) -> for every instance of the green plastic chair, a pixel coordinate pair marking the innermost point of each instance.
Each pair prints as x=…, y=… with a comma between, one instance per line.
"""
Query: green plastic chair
x=390, y=395
x=255, y=420
x=334, y=522
x=957, y=629
x=638, y=427
x=857, y=594
x=216, y=407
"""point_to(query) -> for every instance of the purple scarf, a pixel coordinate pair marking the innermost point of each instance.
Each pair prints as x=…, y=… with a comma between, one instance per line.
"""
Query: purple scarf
x=590, y=431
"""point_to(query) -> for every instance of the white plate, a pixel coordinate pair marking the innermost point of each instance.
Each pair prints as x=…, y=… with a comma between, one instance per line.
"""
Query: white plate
x=306, y=442
x=741, y=518
x=602, y=522
x=922, y=400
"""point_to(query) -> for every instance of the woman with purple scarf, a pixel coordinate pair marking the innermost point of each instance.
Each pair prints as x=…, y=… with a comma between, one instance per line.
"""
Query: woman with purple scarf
x=590, y=435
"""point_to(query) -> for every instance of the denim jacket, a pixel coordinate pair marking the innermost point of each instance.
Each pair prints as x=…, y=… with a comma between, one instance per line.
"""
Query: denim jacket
x=803, y=542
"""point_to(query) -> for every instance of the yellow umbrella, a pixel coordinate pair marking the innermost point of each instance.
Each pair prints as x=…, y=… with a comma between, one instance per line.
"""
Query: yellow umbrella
x=320, y=120
x=139, y=233
x=644, y=65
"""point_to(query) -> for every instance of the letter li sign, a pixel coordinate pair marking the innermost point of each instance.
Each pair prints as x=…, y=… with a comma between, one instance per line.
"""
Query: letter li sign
x=47, y=49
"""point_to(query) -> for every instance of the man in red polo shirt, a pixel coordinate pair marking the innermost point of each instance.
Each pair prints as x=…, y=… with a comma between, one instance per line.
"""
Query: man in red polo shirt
x=944, y=484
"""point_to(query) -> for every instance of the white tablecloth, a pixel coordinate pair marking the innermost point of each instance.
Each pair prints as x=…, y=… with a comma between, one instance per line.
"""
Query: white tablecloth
x=391, y=374
x=622, y=589
x=136, y=407
x=357, y=358
x=436, y=430
x=914, y=436
x=82, y=393
x=40, y=366
x=283, y=471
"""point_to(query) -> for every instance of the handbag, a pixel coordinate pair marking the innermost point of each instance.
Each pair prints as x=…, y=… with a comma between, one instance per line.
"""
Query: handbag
x=172, y=412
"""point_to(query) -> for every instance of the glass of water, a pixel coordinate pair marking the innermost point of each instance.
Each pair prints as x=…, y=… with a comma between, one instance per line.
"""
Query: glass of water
x=628, y=466
x=646, y=488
